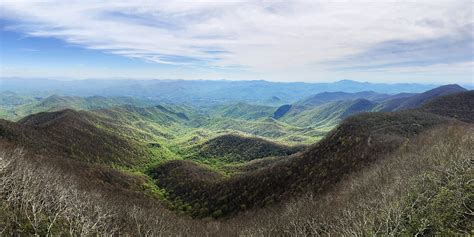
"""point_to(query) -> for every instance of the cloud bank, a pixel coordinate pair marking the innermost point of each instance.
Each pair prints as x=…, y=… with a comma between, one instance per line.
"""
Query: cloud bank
x=261, y=36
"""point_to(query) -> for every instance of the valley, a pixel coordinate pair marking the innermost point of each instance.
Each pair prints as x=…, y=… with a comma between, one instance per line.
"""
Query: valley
x=218, y=163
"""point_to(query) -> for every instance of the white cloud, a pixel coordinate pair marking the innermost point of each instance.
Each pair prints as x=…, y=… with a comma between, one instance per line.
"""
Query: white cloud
x=263, y=36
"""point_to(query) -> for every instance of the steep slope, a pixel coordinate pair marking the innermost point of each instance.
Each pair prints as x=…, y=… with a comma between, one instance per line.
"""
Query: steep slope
x=44, y=195
x=317, y=112
x=358, y=106
x=326, y=98
x=159, y=114
x=268, y=128
x=357, y=142
x=74, y=135
x=328, y=115
x=422, y=188
x=236, y=148
x=243, y=111
x=160, y=123
x=458, y=105
x=281, y=111
x=419, y=99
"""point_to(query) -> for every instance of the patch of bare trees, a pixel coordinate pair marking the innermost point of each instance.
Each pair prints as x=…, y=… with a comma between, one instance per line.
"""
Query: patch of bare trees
x=42, y=200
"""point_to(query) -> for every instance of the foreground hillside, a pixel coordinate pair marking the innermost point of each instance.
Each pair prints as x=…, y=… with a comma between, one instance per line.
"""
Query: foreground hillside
x=424, y=188
x=424, y=169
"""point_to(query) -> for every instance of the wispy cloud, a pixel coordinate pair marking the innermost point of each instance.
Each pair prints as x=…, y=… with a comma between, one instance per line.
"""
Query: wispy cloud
x=29, y=50
x=442, y=50
x=259, y=35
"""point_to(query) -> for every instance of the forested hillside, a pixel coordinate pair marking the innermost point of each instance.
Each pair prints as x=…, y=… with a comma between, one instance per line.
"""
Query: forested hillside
x=176, y=169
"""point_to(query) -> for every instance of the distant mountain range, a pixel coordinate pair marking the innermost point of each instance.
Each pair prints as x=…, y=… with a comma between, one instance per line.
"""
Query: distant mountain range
x=327, y=109
x=201, y=92
x=303, y=121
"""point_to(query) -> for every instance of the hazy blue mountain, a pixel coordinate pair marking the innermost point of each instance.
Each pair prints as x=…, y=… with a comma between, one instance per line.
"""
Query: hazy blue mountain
x=9, y=99
x=201, y=91
x=325, y=97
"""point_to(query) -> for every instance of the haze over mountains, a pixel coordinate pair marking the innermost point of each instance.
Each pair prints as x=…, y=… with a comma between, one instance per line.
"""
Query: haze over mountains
x=201, y=92
x=305, y=120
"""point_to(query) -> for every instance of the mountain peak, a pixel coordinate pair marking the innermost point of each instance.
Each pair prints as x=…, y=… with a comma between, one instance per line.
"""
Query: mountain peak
x=444, y=90
x=451, y=87
x=347, y=81
x=44, y=118
x=419, y=99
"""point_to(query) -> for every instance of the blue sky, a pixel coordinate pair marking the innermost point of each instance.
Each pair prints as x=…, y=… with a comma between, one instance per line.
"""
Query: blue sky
x=402, y=41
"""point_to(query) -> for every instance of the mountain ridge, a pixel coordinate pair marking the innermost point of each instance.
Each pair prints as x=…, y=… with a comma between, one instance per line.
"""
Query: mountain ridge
x=72, y=134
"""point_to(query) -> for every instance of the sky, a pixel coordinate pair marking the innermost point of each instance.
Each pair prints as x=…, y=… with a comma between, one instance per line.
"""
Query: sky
x=420, y=41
